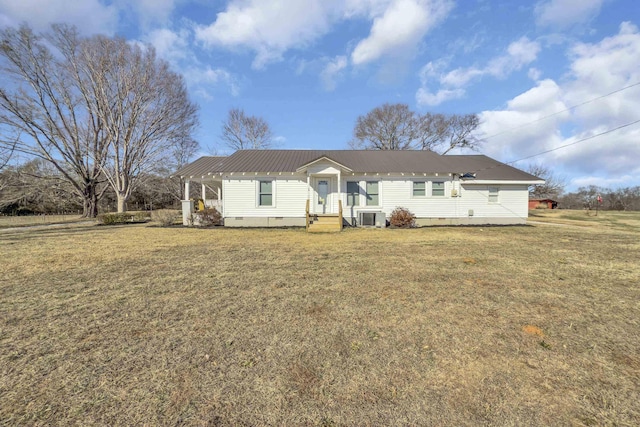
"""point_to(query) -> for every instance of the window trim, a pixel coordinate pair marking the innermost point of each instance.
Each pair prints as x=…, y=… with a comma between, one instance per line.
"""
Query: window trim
x=259, y=193
x=444, y=189
x=413, y=189
x=356, y=194
x=493, y=192
x=376, y=194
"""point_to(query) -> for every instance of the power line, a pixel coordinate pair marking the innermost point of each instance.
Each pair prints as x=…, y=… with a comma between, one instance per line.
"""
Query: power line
x=576, y=142
x=562, y=111
x=559, y=147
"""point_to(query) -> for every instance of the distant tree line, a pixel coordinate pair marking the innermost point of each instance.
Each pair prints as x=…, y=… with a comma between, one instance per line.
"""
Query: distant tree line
x=621, y=199
x=35, y=187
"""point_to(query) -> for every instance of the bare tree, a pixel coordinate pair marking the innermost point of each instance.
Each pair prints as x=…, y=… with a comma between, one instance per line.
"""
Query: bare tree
x=47, y=109
x=99, y=109
x=553, y=186
x=144, y=107
x=459, y=133
x=181, y=154
x=396, y=127
x=389, y=127
x=35, y=186
x=241, y=132
x=7, y=147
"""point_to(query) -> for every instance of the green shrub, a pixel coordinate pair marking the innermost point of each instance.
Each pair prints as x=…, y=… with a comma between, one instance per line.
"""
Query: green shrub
x=122, y=218
x=207, y=217
x=402, y=218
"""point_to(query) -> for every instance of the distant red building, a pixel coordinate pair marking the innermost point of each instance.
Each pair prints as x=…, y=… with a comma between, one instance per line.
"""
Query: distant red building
x=535, y=203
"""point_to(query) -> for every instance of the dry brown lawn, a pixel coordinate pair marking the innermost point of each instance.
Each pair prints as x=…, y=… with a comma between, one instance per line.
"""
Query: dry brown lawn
x=143, y=325
x=35, y=220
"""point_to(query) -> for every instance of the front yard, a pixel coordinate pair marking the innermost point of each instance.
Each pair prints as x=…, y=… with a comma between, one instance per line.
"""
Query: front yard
x=143, y=325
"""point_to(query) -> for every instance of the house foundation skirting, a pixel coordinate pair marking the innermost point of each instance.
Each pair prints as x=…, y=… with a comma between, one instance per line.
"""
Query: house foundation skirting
x=420, y=222
x=264, y=222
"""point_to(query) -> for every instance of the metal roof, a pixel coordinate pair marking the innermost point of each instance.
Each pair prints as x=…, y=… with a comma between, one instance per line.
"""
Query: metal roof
x=487, y=168
x=358, y=161
x=200, y=167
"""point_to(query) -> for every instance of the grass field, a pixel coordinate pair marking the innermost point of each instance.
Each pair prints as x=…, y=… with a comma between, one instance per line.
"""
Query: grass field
x=143, y=325
x=32, y=220
x=613, y=220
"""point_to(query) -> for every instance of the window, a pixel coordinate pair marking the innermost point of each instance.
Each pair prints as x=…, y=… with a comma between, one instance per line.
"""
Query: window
x=437, y=188
x=493, y=195
x=372, y=193
x=265, y=194
x=353, y=193
x=419, y=188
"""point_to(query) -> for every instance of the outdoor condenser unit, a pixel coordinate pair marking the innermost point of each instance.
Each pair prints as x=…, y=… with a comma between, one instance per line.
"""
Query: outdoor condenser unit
x=372, y=219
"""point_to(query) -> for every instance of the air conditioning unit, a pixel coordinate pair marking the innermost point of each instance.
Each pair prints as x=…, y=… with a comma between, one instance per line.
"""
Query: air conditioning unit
x=372, y=219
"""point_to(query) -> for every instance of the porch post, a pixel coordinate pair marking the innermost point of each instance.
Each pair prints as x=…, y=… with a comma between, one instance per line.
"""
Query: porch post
x=186, y=189
x=204, y=193
x=187, y=205
x=339, y=190
x=309, y=188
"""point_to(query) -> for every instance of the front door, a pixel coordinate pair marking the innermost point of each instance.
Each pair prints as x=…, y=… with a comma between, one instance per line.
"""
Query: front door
x=323, y=195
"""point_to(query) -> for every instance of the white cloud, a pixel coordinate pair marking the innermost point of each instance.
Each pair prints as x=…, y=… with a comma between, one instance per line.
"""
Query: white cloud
x=90, y=16
x=202, y=79
x=403, y=24
x=565, y=13
x=170, y=45
x=332, y=71
x=451, y=84
x=151, y=11
x=519, y=53
x=269, y=29
x=601, y=181
x=604, y=67
x=424, y=97
x=529, y=136
x=534, y=74
x=596, y=69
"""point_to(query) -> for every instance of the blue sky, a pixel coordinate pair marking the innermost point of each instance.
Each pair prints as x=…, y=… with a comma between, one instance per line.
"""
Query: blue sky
x=311, y=67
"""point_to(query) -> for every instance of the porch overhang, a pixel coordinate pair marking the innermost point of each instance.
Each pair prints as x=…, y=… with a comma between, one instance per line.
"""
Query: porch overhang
x=340, y=166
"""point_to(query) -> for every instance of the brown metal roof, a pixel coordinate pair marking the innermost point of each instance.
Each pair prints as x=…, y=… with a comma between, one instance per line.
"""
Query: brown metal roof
x=200, y=167
x=359, y=161
x=487, y=168
x=356, y=160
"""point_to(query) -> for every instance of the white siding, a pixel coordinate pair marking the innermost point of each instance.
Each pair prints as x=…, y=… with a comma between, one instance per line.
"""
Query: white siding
x=398, y=192
x=289, y=192
x=512, y=201
x=290, y=195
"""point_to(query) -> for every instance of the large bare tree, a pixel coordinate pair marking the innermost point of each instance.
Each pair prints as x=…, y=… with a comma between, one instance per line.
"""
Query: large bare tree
x=99, y=109
x=553, y=183
x=144, y=106
x=396, y=127
x=48, y=112
x=241, y=132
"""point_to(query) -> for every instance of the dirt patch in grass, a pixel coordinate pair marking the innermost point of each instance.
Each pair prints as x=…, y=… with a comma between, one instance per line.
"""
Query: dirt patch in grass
x=162, y=326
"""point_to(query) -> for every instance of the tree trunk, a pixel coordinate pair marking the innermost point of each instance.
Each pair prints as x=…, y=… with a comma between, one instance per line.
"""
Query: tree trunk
x=90, y=201
x=122, y=203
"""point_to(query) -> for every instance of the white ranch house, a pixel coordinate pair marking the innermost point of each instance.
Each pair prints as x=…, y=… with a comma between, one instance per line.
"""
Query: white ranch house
x=275, y=188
